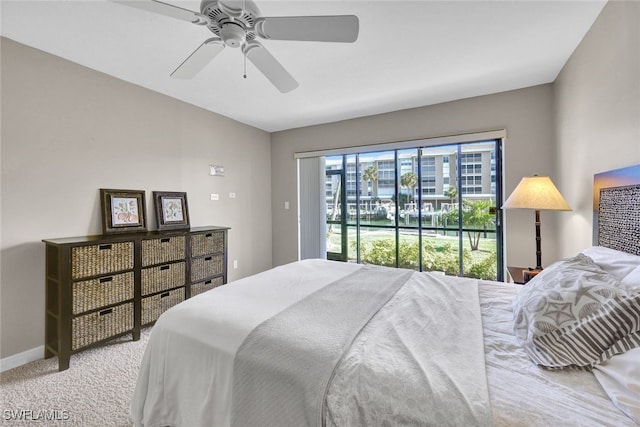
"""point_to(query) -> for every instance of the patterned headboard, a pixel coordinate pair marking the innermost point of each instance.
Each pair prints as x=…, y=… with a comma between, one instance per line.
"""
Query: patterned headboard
x=616, y=220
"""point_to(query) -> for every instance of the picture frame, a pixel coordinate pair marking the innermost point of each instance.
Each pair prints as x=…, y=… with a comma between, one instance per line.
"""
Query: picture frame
x=172, y=210
x=123, y=211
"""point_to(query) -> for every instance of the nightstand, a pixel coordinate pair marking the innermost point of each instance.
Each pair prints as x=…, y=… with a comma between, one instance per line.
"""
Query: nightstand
x=522, y=275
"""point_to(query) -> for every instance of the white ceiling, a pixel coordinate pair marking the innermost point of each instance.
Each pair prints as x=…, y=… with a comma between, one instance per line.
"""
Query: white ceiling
x=408, y=53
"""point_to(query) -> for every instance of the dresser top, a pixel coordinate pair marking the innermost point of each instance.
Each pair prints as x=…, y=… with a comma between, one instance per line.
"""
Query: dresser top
x=120, y=237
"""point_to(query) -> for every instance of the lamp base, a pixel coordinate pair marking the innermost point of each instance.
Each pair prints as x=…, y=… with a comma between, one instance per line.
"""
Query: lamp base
x=538, y=242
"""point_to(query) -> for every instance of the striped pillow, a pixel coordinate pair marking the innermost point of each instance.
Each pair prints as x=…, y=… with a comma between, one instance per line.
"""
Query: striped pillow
x=613, y=329
x=574, y=314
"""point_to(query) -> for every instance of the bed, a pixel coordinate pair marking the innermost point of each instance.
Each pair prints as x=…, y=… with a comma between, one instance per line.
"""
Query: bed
x=319, y=342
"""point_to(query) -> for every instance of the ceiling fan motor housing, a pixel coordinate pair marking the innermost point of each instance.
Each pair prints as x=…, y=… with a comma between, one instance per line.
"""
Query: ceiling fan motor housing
x=232, y=21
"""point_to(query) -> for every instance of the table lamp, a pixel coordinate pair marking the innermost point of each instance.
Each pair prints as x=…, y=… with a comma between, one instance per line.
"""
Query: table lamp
x=538, y=193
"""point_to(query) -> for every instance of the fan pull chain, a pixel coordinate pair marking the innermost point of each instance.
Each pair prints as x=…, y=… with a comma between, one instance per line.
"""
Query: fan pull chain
x=245, y=55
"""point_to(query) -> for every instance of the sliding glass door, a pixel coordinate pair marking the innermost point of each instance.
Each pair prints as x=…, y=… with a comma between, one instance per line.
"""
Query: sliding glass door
x=335, y=192
x=423, y=208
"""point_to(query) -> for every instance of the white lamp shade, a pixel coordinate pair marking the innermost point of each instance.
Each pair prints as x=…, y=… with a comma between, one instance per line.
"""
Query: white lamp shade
x=536, y=192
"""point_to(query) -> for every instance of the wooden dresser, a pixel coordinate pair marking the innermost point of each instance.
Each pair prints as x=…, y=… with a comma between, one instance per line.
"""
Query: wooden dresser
x=102, y=287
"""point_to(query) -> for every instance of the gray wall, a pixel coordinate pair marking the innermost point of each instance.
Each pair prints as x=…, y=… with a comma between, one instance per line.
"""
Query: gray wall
x=597, y=102
x=526, y=114
x=68, y=131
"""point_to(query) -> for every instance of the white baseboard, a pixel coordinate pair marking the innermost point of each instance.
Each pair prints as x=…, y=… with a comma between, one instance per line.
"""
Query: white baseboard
x=21, y=358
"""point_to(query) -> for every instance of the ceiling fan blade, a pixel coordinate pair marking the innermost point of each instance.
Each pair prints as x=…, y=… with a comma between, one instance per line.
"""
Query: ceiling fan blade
x=199, y=59
x=269, y=66
x=341, y=28
x=166, y=9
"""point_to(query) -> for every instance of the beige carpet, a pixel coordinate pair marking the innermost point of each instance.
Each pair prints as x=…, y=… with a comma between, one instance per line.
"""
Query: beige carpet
x=96, y=390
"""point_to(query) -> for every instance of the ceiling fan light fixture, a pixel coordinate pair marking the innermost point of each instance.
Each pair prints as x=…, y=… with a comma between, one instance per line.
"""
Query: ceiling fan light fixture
x=233, y=34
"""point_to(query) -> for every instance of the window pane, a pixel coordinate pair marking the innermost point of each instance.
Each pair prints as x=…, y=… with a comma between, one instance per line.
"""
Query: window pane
x=351, y=187
x=332, y=187
x=335, y=189
x=408, y=191
x=478, y=219
x=377, y=183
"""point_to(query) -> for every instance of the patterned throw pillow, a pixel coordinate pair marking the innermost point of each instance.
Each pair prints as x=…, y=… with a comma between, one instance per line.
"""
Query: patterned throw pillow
x=563, y=316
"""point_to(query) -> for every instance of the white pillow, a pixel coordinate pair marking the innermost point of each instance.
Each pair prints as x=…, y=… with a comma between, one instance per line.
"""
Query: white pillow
x=632, y=280
x=617, y=263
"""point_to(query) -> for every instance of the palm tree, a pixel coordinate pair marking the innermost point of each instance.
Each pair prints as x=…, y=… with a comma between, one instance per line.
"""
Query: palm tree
x=409, y=180
x=451, y=193
x=370, y=175
x=476, y=215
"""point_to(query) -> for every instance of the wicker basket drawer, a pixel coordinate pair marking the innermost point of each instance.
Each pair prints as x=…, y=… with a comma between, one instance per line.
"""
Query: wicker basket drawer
x=96, y=260
x=162, y=277
x=158, y=251
x=204, y=267
x=154, y=306
x=100, y=292
x=100, y=325
x=207, y=243
x=200, y=287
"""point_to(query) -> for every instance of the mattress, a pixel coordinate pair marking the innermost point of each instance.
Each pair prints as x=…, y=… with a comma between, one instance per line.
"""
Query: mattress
x=187, y=372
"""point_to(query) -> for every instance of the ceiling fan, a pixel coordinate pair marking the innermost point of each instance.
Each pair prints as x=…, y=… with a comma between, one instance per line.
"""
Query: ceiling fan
x=238, y=23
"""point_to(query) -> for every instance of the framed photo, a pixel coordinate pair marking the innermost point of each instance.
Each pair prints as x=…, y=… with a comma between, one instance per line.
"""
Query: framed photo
x=172, y=211
x=123, y=211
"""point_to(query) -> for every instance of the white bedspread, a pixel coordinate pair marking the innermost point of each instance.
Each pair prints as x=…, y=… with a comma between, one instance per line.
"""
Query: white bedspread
x=201, y=336
x=419, y=361
x=284, y=367
x=186, y=373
